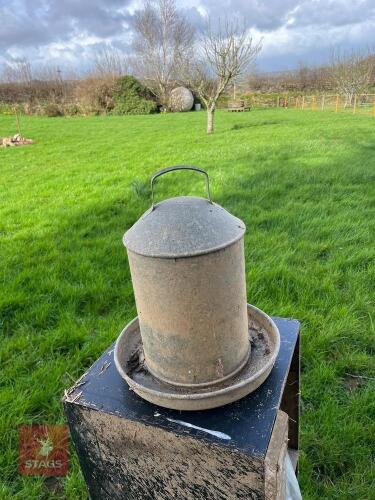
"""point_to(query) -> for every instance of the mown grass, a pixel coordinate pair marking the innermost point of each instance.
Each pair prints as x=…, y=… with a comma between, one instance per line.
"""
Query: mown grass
x=304, y=184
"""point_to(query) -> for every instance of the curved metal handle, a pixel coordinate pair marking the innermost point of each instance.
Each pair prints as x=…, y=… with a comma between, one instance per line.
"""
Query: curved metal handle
x=179, y=167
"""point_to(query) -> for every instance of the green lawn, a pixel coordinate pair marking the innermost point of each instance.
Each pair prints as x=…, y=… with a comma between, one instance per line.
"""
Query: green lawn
x=302, y=181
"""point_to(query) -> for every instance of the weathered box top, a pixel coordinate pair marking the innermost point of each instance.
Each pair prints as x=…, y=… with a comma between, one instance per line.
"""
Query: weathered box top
x=245, y=425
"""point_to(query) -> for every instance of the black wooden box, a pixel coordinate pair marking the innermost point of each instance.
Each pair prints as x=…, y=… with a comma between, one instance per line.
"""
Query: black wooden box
x=131, y=449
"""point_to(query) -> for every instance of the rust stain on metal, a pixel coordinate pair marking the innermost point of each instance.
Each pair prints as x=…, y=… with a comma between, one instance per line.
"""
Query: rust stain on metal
x=220, y=369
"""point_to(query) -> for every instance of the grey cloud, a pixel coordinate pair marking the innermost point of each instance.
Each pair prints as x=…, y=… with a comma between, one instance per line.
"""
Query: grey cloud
x=264, y=15
x=333, y=13
x=268, y=15
x=294, y=30
x=101, y=18
x=36, y=22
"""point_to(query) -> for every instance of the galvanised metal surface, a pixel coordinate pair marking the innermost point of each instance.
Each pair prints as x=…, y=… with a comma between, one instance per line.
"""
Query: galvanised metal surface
x=183, y=227
x=186, y=258
x=192, y=315
x=129, y=360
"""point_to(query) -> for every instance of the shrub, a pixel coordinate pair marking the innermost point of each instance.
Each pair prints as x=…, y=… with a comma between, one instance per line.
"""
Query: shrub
x=95, y=95
x=129, y=85
x=134, y=105
x=132, y=98
x=222, y=102
x=72, y=110
x=53, y=110
x=36, y=91
x=6, y=109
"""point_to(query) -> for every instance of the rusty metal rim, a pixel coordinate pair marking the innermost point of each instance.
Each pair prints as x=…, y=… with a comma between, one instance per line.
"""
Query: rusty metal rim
x=207, y=384
x=202, y=400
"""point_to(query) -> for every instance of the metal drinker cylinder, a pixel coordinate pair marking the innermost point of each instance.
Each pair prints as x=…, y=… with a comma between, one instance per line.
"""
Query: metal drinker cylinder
x=187, y=264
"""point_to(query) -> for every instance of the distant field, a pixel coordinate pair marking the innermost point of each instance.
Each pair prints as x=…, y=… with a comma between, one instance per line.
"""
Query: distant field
x=303, y=182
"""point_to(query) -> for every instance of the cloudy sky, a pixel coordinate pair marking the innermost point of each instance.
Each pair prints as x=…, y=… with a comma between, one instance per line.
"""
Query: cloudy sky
x=68, y=32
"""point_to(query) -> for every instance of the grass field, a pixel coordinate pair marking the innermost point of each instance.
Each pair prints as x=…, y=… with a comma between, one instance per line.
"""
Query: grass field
x=303, y=182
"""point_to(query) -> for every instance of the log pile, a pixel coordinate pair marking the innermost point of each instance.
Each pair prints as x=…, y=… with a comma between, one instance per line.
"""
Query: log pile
x=16, y=140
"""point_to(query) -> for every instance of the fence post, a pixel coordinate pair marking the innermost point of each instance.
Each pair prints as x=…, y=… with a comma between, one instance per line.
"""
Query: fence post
x=313, y=103
x=278, y=101
x=303, y=102
x=373, y=108
x=323, y=101
x=337, y=104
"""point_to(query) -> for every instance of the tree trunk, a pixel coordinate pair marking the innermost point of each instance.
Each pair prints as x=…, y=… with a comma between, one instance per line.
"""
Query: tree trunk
x=210, y=119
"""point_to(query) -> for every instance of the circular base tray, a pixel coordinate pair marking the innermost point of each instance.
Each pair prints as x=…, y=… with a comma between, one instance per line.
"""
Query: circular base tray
x=265, y=343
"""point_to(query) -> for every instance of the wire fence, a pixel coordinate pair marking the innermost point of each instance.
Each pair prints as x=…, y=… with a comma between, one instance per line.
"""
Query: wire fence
x=363, y=104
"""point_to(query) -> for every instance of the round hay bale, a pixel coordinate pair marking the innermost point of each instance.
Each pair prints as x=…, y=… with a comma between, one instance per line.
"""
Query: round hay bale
x=181, y=99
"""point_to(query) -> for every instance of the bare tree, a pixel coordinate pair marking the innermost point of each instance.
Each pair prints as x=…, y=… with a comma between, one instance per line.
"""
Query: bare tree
x=225, y=53
x=51, y=78
x=110, y=62
x=162, y=45
x=48, y=73
x=17, y=72
x=352, y=73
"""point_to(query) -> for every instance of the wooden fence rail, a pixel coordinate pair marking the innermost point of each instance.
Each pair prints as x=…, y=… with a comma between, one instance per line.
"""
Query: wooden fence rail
x=358, y=104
